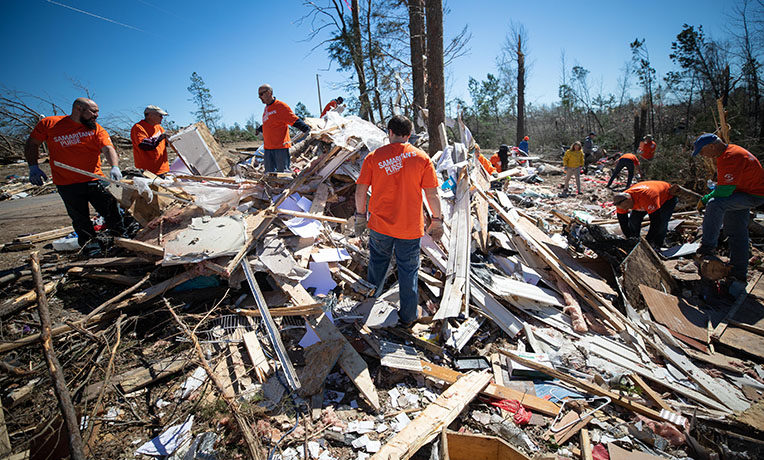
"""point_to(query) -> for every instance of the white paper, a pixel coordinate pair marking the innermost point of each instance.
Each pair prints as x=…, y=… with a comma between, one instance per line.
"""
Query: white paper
x=300, y=226
x=193, y=382
x=330, y=255
x=167, y=442
x=310, y=336
x=319, y=278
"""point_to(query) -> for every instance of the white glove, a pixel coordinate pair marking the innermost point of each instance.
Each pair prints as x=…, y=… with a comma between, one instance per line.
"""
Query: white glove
x=115, y=173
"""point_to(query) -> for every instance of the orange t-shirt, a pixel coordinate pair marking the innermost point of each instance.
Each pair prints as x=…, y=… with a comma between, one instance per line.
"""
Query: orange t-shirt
x=332, y=104
x=486, y=164
x=647, y=149
x=150, y=160
x=397, y=173
x=496, y=162
x=738, y=167
x=73, y=144
x=629, y=156
x=648, y=196
x=277, y=117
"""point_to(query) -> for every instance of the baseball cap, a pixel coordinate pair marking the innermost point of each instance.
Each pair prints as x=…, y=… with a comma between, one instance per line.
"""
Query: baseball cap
x=526, y=138
x=619, y=198
x=702, y=141
x=154, y=108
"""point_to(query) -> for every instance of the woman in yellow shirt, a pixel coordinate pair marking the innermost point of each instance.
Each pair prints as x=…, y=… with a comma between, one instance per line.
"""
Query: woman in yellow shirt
x=573, y=161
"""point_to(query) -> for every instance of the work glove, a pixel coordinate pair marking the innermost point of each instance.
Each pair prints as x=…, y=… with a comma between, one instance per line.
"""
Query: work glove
x=36, y=175
x=435, y=229
x=115, y=173
x=701, y=205
x=360, y=224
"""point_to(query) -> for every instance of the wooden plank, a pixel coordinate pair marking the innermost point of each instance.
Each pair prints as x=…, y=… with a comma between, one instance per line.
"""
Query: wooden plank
x=351, y=362
x=467, y=446
x=528, y=401
x=111, y=262
x=433, y=418
x=25, y=300
x=720, y=328
x=320, y=358
x=139, y=246
x=44, y=236
x=297, y=310
x=643, y=266
x=676, y=314
x=5, y=441
x=743, y=340
x=141, y=376
x=260, y=363
x=562, y=436
x=236, y=367
x=115, y=278
x=586, y=445
x=481, y=207
x=650, y=393
x=490, y=307
x=586, y=386
x=456, y=287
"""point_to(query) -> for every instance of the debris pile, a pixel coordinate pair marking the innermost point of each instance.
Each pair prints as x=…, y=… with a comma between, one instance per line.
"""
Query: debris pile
x=237, y=323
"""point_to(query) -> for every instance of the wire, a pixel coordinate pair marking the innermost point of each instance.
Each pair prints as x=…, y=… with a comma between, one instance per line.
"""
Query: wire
x=296, y=422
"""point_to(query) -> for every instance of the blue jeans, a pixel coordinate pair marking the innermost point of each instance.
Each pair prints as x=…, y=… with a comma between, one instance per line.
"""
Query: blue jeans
x=76, y=198
x=276, y=160
x=732, y=211
x=623, y=163
x=407, y=258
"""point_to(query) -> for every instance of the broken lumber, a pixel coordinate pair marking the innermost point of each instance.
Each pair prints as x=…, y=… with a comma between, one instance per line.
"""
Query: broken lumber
x=115, y=278
x=528, y=401
x=434, y=418
x=14, y=305
x=586, y=386
x=308, y=215
x=76, y=447
x=722, y=326
x=139, y=246
x=250, y=438
x=350, y=361
x=468, y=446
x=5, y=442
x=260, y=363
x=44, y=236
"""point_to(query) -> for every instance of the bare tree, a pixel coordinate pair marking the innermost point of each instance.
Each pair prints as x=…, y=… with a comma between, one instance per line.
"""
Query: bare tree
x=516, y=47
x=417, y=40
x=436, y=103
x=19, y=113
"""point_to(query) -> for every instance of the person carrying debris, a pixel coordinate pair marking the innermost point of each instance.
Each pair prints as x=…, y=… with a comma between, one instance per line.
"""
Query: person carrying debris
x=487, y=165
x=332, y=105
x=150, y=142
x=656, y=199
x=628, y=161
x=397, y=174
x=523, y=145
x=646, y=153
x=77, y=140
x=500, y=159
x=277, y=117
x=573, y=160
x=739, y=188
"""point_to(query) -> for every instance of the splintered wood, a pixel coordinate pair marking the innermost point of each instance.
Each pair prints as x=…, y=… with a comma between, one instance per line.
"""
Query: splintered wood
x=436, y=416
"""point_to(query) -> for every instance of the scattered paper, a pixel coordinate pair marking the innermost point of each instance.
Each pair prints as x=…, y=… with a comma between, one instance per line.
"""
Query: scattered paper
x=320, y=278
x=193, y=382
x=167, y=442
x=330, y=255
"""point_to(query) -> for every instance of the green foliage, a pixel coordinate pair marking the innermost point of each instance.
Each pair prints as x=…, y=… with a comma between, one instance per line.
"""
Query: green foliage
x=489, y=115
x=202, y=97
x=301, y=111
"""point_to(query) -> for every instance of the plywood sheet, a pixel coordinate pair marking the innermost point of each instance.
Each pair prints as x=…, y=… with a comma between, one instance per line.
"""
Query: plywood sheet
x=746, y=341
x=676, y=314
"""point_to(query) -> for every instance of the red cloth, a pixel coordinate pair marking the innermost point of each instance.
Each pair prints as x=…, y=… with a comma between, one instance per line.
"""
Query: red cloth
x=738, y=167
x=397, y=173
x=73, y=144
x=277, y=117
x=648, y=196
x=522, y=415
x=150, y=160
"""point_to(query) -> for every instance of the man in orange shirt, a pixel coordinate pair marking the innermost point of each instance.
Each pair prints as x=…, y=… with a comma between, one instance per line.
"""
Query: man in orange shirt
x=332, y=105
x=646, y=153
x=277, y=118
x=739, y=188
x=397, y=174
x=500, y=159
x=654, y=198
x=628, y=161
x=150, y=142
x=77, y=140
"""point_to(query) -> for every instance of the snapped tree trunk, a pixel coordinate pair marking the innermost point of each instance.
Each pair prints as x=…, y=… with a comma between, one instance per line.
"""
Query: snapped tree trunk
x=520, y=91
x=417, y=44
x=436, y=99
x=374, y=74
x=356, y=51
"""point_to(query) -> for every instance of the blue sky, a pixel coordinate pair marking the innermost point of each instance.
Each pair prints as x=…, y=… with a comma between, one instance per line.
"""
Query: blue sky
x=148, y=54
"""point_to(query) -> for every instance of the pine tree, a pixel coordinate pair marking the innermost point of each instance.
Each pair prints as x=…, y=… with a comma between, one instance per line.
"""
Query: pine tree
x=201, y=96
